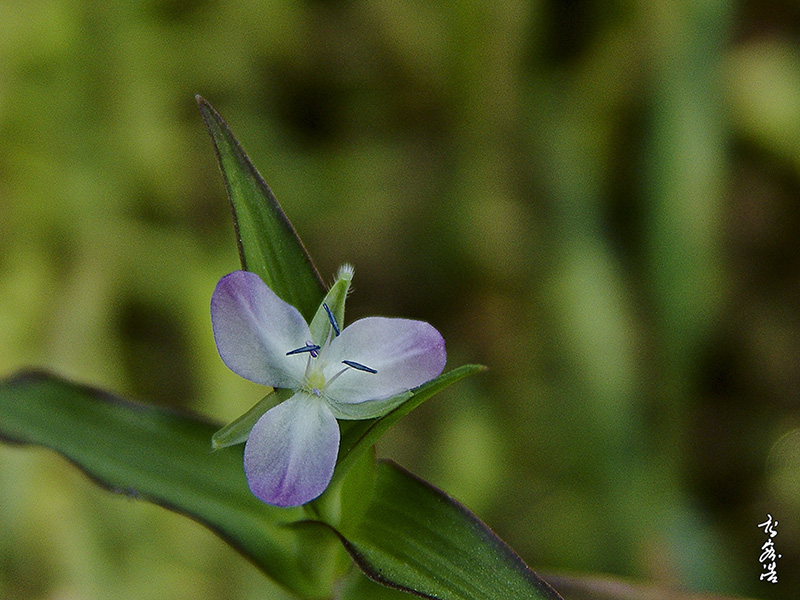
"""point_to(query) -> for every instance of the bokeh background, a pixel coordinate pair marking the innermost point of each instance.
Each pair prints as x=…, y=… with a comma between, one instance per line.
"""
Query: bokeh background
x=598, y=200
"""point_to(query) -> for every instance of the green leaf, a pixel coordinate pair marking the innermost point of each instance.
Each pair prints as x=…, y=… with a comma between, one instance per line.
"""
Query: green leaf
x=268, y=244
x=373, y=410
x=407, y=534
x=358, y=440
x=357, y=586
x=237, y=431
x=415, y=538
x=165, y=457
x=360, y=436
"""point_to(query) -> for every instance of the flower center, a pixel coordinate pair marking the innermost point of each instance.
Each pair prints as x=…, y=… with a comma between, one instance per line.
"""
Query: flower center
x=315, y=382
x=314, y=379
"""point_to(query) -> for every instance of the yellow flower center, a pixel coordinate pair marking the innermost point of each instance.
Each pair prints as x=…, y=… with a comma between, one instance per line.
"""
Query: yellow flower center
x=315, y=381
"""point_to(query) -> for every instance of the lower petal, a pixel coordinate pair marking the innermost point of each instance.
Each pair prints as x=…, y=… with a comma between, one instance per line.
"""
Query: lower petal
x=291, y=452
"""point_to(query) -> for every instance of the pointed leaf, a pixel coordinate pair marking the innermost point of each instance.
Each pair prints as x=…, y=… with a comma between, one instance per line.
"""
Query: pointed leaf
x=374, y=409
x=415, y=538
x=360, y=436
x=411, y=535
x=164, y=457
x=236, y=432
x=268, y=244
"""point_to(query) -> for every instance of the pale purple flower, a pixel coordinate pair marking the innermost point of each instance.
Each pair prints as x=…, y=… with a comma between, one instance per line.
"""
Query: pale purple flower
x=359, y=372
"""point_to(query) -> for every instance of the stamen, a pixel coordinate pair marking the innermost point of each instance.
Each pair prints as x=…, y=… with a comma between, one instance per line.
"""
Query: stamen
x=309, y=347
x=359, y=366
x=349, y=364
x=331, y=318
x=335, y=377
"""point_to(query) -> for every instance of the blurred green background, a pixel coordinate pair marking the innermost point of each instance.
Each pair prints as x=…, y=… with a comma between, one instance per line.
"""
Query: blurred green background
x=598, y=200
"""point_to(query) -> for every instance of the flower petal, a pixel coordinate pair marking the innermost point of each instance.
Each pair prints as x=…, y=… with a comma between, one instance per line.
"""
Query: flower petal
x=404, y=353
x=291, y=452
x=254, y=329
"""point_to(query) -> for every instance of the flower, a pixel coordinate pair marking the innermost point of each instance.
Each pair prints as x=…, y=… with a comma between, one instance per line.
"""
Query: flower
x=359, y=372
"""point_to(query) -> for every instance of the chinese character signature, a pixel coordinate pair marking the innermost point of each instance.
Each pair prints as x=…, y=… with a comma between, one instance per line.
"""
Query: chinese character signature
x=768, y=558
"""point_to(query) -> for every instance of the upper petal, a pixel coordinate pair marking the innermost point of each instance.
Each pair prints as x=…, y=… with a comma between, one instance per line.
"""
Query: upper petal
x=254, y=329
x=404, y=353
x=291, y=452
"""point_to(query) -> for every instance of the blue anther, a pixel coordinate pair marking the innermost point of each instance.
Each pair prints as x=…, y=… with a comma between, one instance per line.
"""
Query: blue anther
x=311, y=348
x=359, y=366
x=331, y=318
